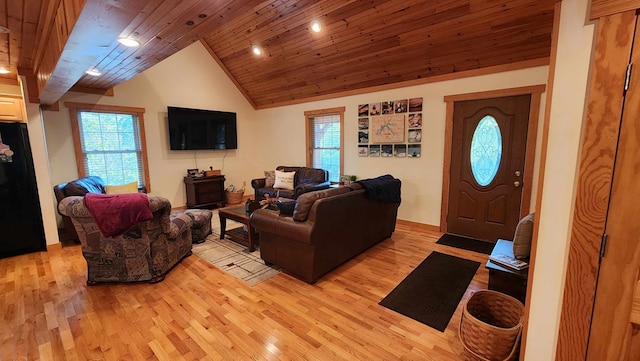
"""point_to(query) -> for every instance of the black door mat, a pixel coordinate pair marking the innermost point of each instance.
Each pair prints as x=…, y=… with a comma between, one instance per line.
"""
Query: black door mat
x=432, y=291
x=467, y=243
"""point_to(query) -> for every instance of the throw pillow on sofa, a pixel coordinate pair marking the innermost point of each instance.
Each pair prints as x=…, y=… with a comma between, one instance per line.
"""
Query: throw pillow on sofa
x=121, y=189
x=269, y=178
x=522, y=237
x=284, y=180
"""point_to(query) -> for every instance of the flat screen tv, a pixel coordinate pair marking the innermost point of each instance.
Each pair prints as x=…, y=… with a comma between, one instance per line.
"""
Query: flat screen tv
x=193, y=129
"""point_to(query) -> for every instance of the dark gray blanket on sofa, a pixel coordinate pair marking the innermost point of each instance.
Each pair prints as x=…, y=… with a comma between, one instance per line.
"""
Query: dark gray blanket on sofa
x=384, y=188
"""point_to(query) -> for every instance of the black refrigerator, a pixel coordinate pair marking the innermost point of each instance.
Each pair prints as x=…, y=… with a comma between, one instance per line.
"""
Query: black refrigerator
x=21, y=227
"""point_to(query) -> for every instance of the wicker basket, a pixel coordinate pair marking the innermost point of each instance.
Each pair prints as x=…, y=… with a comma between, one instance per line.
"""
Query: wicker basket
x=490, y=327
x=233, y=197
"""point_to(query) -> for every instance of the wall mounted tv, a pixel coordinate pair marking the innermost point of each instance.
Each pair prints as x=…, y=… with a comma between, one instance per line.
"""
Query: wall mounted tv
x=193, y=129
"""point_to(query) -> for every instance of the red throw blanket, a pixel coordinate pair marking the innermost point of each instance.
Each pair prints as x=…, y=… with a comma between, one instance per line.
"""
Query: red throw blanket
x=115, y=213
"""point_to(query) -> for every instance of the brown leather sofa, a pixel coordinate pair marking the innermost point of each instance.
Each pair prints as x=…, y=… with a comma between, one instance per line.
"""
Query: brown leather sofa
x=305, y=180
x=328, y=228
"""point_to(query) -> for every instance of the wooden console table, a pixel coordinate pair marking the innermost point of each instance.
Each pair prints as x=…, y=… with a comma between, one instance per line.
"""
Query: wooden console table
x=506, y=280
x=205, y=192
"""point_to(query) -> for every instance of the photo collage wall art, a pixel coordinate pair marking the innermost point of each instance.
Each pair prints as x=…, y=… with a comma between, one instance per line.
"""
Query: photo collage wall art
x=390, y=128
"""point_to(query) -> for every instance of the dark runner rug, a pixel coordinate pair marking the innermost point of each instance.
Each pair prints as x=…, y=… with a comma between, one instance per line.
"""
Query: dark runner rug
x=431, y=293
x=469, y=244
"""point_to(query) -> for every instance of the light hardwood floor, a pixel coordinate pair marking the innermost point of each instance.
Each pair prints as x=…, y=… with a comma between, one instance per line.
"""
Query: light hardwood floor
x=200, y=313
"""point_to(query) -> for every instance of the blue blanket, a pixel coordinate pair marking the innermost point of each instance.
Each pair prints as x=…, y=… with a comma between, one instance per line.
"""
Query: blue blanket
x=384, y=188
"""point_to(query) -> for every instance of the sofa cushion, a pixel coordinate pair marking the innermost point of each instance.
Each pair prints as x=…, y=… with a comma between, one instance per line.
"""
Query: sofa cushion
x=522, y=237
x=286, y=207
x=82, y=186
x=123, y=188
x=284, y=180
x=269, y=178
x=306, y=200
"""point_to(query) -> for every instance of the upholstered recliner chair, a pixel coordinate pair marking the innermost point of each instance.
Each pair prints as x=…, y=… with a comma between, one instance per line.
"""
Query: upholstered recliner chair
x=144, y=252
x=305, y=180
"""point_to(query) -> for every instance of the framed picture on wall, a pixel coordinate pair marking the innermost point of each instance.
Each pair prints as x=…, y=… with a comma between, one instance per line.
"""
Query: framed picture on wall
x=363, y=150
x=386, y=150
x=363, y=110
x=401, y=106
x=374, y=150
x=415, y=120
x=414, y=136
x=413, y=150
x=400, y=150
x=415, y=105
x=387, y=107
x=374, y=109
x=387, y=129
x=363, y=136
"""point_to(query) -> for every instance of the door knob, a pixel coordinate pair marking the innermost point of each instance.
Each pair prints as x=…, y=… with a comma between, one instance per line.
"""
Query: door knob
x=516, y=184
x=518, y=173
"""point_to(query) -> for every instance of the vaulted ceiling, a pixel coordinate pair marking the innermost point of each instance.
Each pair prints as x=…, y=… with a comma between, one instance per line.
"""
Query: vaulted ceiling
x=363, y=45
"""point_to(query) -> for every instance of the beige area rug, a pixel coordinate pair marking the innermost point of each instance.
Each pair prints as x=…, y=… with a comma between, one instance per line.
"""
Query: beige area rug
x=232, y=257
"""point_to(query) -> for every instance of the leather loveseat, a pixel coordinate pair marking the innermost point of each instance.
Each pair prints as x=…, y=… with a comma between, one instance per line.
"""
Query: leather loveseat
x=305, y=180
x=328, y=227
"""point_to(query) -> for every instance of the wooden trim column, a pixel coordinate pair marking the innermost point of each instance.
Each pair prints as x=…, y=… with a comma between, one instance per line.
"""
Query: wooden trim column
x=605, y=96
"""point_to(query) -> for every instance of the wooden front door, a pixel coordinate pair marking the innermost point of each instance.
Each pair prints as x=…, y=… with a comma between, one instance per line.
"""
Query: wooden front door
x=489, y=141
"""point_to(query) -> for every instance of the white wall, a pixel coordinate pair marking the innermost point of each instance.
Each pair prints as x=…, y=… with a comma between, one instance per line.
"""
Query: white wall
x=421, y=177
x=567, y=112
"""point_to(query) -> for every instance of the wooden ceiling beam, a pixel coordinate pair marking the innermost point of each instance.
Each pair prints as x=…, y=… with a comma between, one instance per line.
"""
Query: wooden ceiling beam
x=98, y=25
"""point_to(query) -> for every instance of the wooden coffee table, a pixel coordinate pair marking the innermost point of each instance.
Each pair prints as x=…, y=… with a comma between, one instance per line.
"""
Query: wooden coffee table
x=238, y=214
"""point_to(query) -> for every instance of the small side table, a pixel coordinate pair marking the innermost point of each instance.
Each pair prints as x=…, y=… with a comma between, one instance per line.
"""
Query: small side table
x=238, y=214
x=506, y=280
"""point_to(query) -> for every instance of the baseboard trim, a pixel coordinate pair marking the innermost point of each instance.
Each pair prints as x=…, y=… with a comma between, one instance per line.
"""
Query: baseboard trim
x=421, y=226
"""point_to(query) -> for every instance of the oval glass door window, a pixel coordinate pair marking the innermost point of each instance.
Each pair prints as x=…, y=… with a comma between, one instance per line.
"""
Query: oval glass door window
x=486, y=150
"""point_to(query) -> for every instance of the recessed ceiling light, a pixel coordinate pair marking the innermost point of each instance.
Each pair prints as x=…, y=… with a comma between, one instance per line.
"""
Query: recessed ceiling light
x=93, y=72
x=4, y=70
x=4, y=29
x=257, y=50
x=129, y=42
x=315, y=26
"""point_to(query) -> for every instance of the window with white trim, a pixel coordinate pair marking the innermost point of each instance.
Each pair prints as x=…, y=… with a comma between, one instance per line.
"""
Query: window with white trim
x=325, y=140
x=109, y=143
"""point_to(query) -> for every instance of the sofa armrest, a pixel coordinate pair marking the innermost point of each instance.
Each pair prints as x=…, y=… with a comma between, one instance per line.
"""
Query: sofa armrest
x=310, y=187
x=269, y=221
x=258, y=183
x=73, y=206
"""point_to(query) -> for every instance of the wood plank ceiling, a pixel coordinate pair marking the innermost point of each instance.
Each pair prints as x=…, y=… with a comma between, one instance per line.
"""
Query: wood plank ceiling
x=362, y=44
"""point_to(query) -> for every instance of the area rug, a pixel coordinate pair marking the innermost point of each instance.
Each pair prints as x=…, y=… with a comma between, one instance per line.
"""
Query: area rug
x=467, y=243
x=432, y=291
x=232, y=257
